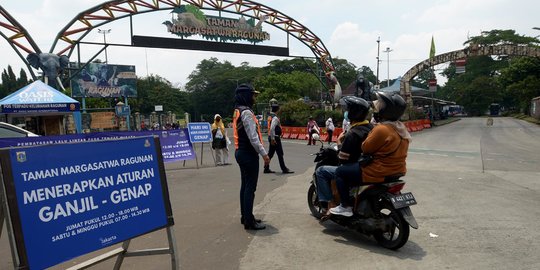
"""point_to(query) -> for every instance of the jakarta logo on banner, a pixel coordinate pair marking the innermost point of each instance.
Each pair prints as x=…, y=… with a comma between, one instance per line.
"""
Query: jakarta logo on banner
x=199, y=132
x=66, y=200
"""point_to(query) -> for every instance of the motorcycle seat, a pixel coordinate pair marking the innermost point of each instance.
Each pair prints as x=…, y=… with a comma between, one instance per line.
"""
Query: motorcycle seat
x=393, y=178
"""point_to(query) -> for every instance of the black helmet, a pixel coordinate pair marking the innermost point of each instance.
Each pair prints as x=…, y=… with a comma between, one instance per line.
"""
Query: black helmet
x=244, y=95
x=274, y=107
x=357, y=108
x=391, y=107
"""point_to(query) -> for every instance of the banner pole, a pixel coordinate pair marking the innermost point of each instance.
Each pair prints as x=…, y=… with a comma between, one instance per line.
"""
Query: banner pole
x=175, y=259
x=4, y=215
x=202, y=147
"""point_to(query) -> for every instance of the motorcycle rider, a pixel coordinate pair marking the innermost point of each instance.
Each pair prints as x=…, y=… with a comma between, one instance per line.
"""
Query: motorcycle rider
x=349, y=147
x=388, y=143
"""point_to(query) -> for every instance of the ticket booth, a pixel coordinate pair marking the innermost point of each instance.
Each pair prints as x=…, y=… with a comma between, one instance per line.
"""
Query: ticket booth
x=41, y=109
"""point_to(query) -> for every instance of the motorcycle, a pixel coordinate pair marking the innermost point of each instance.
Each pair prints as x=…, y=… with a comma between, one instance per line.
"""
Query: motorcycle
x=380, y=209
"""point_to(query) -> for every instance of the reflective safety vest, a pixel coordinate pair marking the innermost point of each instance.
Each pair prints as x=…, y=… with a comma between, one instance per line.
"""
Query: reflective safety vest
x=277, y=130
x=269, y=120
x=241, y=139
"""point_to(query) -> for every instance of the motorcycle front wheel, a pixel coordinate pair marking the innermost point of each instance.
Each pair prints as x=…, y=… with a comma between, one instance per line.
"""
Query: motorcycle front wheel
x=313, y=202
x=397, y=233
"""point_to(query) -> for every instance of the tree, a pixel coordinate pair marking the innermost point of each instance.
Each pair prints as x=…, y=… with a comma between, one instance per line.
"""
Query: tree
x=211, y=87
x=288, y=87
x=519, y=80
x=501, y=37
x=510, y=79
x=288, y=66
x=10, y=83
x=155, y=90
x=479, y=94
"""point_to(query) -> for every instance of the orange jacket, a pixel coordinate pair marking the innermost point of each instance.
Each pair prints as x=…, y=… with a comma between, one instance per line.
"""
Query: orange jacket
x=389, y=152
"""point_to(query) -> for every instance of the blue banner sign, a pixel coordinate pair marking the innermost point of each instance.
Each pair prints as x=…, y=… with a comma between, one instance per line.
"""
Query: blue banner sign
x=175, y=144
x=68, y=200
x=199, y=132
x=122, y=110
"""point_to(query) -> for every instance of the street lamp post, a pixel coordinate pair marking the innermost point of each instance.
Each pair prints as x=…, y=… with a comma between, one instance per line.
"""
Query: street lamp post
x=105, y=32
x=237, y=80
x=378, y=59
x=387, y=51
x=536, y=28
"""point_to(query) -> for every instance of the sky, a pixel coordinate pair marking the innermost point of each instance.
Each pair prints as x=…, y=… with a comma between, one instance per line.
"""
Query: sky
x=348, y=28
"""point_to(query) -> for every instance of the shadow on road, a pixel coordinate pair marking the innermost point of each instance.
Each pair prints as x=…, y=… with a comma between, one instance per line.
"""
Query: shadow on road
x=410, y=250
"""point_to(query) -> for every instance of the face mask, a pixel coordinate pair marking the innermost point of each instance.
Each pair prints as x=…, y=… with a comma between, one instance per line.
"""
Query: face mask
x=376, y=117
x=346, y=115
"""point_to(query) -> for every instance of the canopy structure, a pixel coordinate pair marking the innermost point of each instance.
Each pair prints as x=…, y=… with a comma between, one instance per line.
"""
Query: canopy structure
x=38, y=98
x=395, y=88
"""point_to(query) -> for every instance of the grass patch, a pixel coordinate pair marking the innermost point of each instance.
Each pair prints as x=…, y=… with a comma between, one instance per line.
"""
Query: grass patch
x=526, y=118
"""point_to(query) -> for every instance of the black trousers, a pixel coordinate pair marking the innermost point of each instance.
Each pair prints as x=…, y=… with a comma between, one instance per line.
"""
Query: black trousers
x=248, y=161
x=277, y=149
x=330, y=134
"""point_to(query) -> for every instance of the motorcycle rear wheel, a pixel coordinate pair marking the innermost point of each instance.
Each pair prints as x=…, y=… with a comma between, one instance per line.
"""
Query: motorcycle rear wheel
x=398, y=234
x=313, y=202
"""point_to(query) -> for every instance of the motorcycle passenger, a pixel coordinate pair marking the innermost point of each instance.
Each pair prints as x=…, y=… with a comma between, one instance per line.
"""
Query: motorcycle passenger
x=349, y=148
x=388, y=143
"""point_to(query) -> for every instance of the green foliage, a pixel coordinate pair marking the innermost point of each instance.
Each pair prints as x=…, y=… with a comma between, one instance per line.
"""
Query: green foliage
x=211, y=87
x=519, y=81
x=508, y=80
x=525, y=90
x=287, y=86
x=346, y=72
x=155, y=90
x=422, y=79
x=10, y=82
x=501, y=37
x=297, y=113
x=288, y=66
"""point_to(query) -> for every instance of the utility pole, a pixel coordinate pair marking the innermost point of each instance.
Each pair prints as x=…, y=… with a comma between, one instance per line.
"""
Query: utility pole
x=378, y=60
x=387, y=51
x=105, y=32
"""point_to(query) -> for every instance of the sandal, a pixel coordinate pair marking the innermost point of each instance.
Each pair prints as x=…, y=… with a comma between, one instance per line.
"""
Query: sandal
x=326, y=216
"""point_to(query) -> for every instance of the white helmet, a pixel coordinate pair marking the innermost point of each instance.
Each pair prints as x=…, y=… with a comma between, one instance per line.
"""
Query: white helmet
x=315, y=136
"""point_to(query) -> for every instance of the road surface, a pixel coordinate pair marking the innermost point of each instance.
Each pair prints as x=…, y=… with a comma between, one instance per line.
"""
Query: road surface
x=478, y=193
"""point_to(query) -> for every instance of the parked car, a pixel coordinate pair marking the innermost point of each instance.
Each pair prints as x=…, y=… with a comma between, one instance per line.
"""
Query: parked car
x=11, y=131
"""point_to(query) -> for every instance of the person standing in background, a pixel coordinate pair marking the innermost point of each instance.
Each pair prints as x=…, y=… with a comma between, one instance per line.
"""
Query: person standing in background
x=274, y=138
x=249, y=145
x=312, y=128
x=329, y=129
x=219, y=142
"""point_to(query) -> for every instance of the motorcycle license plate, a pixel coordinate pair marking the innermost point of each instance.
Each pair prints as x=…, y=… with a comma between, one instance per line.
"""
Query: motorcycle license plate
x=402, y=200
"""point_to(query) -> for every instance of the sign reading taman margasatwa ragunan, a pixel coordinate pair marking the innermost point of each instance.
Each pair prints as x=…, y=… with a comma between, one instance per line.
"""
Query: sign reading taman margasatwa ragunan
x=190, y=20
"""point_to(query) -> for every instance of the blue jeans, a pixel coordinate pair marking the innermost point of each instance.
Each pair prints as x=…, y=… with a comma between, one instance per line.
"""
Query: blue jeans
x=249, y=174
x=324, y=175
x=347, y=176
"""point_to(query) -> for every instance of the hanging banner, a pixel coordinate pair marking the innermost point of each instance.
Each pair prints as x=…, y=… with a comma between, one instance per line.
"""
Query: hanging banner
x=175, y=144
x=67, y=200
x=432, y=83
x=460, y=65
x=103, y=80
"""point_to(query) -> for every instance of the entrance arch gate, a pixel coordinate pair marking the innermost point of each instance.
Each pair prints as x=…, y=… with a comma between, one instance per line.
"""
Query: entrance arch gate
x=72, y=34
x=473, y=50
